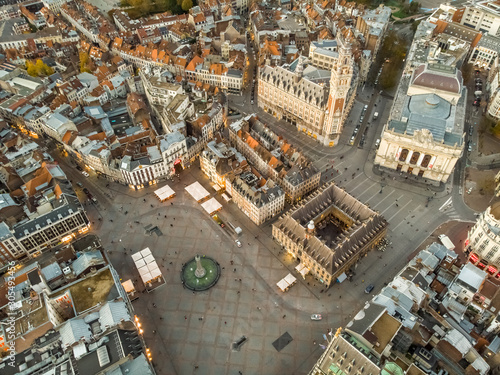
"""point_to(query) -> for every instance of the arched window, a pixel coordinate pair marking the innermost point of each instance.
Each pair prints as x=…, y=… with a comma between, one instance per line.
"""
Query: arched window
x=404, y=155
x=425, y=161
x=414, y=157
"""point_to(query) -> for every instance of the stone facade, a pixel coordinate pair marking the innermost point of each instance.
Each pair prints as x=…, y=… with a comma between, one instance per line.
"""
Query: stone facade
x=484, y=241
x=301, y=95
x=425, y=133
x=329, y=232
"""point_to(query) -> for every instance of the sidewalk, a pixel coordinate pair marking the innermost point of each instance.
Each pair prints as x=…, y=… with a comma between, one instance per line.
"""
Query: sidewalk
x=413, y=184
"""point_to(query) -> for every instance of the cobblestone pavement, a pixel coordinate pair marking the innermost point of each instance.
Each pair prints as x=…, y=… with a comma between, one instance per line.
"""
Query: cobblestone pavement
x=253, y=307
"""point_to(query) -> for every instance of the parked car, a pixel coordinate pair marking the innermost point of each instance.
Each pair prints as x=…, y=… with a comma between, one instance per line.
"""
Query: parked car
x=471, y=130
x=85, y=174
x=377, y=143
x=80, y=184
x=79, y=168
x=238, y=243
x=369, y=288
x=351, y=142
x=469, y=146
x=316, y=317
x=477, y=102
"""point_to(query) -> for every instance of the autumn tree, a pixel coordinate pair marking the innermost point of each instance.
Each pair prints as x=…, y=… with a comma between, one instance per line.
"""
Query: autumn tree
x=84, y=62
x=31, y=68
x=186, y=5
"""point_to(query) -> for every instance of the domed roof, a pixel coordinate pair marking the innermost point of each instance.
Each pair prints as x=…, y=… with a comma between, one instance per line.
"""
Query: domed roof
x=432, y=100
x=438, y=77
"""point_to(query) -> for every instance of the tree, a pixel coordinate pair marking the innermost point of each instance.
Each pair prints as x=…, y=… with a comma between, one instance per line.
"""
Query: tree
x=40, y=68
x=84, y=62
x=486, y=186
x=186, y=5
x=496, y=130
x=414, y=25
x=414, y=7
x=31, y=68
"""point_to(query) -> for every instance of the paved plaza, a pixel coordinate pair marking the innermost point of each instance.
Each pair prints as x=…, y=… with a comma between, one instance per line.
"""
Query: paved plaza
x=197, y=329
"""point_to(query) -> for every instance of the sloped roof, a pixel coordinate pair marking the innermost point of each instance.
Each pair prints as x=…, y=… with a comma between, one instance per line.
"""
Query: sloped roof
x=73, y=331
x=112, y=313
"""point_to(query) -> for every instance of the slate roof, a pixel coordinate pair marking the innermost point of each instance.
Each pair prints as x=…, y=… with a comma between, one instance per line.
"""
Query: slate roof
x=73, y=331
x=112, y=313
x=366, y=224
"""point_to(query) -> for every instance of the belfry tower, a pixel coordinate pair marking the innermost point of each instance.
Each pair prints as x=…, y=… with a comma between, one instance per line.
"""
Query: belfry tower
x=340, y=83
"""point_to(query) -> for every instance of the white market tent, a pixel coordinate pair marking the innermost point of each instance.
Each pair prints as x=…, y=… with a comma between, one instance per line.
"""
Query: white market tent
x=164, y=193
x=211, y=206
x=128, y=286
x=303, y=270
x=197, y=191
x=226, y=197
x=290, y=279
x=282, y=284
x=217, y=187
x=146, y=265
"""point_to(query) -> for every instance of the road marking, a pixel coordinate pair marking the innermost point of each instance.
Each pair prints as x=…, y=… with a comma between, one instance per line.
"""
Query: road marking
x=372, y=185
x=445, y=204
x=387, y=196
x=399, y=210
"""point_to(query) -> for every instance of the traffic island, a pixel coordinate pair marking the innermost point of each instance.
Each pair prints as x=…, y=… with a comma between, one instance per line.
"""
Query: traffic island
x=200, y=273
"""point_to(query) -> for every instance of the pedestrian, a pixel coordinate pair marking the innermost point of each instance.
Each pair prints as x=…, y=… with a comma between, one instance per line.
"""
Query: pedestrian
x=284, y=316
x=185, y=317
x=225, y=322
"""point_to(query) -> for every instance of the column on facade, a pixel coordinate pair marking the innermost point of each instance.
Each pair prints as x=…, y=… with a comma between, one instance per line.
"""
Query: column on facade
x=420, y=158
x=408, y=158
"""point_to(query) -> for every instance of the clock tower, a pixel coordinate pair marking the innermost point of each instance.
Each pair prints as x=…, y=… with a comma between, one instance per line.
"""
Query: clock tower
x=340, y=83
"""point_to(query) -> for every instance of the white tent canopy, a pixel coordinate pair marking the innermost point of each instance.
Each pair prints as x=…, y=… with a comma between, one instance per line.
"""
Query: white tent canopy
x=303, y=270
x=146, y=265
x=290, y=279
x=128, y=286
x=197, y=191
x=145, y=252
x=164, y=193
x=217, y=187
x=146, y=278
x=211, y=206
x=282, y=284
